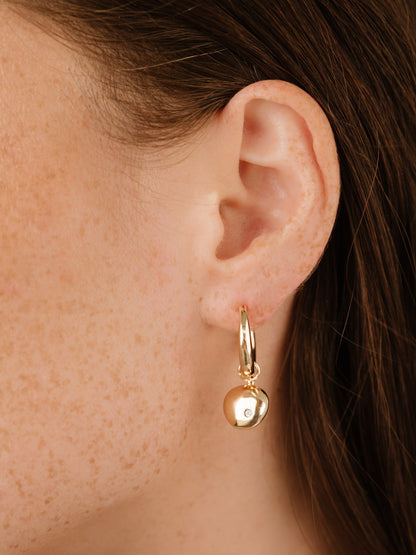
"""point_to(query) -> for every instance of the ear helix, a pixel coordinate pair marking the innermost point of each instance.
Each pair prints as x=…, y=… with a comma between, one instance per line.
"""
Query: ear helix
x=246, y=405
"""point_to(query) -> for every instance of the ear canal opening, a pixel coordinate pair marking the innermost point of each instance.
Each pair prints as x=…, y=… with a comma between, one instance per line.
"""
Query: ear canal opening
x=242, y=224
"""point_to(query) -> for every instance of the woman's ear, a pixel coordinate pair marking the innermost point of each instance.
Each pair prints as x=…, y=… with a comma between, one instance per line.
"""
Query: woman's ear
x=277, y=198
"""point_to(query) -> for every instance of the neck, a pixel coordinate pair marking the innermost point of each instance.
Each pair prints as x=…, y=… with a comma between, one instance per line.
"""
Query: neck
x=226, y=493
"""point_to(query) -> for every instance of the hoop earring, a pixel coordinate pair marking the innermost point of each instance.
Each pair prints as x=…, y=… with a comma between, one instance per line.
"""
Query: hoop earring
x=246, y=405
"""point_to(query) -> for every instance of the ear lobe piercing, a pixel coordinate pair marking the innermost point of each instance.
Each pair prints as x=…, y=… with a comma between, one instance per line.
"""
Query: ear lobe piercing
x=245, y=406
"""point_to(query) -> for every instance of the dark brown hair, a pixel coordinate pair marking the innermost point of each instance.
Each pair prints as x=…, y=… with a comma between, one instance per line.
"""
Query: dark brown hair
x=165, y=67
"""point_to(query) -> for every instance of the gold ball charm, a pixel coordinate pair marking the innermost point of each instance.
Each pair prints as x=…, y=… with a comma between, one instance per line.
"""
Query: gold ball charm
x=245, y=406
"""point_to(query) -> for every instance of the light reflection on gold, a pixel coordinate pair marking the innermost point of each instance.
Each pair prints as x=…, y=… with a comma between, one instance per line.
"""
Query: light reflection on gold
x=245, y=406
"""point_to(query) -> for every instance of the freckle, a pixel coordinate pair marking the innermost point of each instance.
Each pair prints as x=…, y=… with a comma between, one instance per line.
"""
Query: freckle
x=41, y=443
x=9, y=349
x=145, y=446
x=47, y=501
x=66, y=277
x=116, y=377
x=181, y=534
x=6, y=526
x=92, y=460
x=50, y=175
x=20, y=488
x=157, y=471
x=138, y=338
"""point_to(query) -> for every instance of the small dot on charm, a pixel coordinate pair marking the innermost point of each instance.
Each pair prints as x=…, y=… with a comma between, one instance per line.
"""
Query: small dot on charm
x=245, y=406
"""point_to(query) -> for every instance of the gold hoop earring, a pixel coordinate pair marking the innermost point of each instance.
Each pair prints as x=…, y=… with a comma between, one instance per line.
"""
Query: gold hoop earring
x=245, y=406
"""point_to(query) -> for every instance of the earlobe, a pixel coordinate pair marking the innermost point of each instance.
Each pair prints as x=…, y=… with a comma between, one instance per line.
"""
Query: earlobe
x=284, y=199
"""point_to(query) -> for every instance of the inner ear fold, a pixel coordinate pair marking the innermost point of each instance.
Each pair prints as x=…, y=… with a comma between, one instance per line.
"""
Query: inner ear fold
x=273, y=195
x=270, y=173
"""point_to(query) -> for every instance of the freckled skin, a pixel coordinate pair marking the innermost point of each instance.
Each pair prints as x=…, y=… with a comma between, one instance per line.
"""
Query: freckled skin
x=112, y=372
x=86, y=344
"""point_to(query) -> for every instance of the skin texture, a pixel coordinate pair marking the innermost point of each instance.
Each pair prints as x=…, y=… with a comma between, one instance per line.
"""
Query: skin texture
x=121, y=274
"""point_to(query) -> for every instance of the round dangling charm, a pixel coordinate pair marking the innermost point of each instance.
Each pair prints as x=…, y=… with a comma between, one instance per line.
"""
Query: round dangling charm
x=245, y=406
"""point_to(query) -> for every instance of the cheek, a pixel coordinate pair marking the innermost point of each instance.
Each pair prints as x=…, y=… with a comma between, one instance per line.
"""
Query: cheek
x=90, y=336
x=90, y=409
